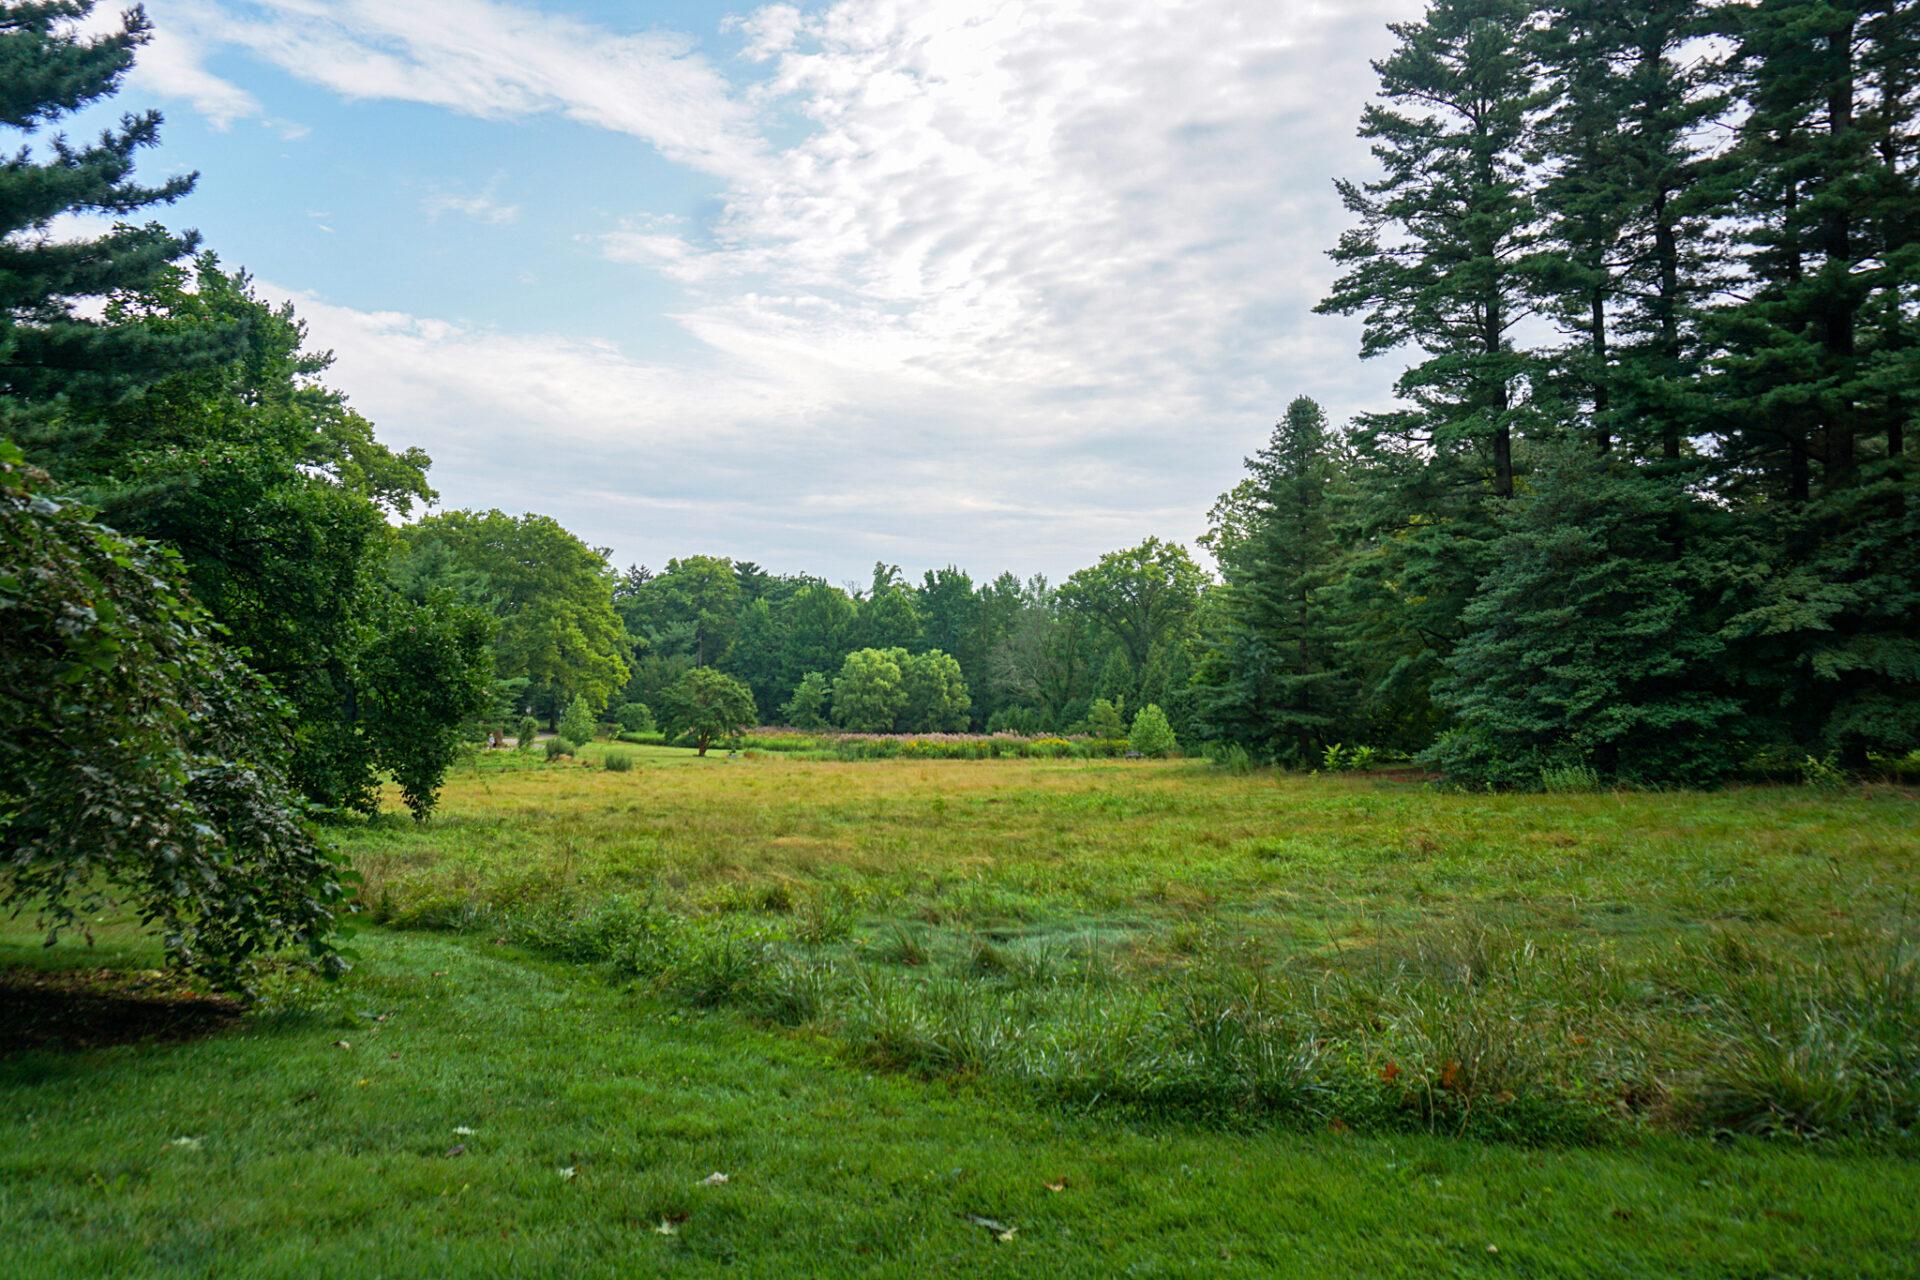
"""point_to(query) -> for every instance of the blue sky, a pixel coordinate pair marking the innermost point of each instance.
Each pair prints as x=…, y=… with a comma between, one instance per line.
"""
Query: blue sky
x=999, y=284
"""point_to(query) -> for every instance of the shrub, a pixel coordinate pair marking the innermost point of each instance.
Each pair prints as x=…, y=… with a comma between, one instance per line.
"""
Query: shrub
x=1232, y=757
x=635, y=717
x=1152, y=735
x=557, y=747
x=527, y=733
x=577, y=723
x=1823, y=772
x=617, y=762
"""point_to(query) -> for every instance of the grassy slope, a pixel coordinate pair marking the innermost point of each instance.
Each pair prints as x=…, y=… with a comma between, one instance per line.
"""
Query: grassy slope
x=316, y=1160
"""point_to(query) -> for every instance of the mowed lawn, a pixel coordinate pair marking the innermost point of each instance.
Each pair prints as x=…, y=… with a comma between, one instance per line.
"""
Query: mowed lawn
x=875, y=995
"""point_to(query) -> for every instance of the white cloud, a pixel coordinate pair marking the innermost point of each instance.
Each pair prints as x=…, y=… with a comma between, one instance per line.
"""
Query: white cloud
x=1029, y=284
x=486, y=59
x=482, y=206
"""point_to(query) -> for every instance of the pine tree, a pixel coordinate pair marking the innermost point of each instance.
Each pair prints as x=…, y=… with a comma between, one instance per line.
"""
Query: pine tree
x=1625, y=256
x=1271, y=681
x=57, y=363
x=1439, y=259
x=1596, y=644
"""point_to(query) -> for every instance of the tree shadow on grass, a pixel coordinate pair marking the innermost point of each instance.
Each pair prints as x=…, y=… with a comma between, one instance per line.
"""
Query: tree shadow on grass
x=77, y=1009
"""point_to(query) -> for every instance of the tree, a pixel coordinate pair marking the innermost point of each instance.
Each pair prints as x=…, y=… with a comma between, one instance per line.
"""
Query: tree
x=1140, y=596
x=552, y=595
x=1440, y=258
x=636, y=718
x=59, y=361
x=140, y=758
x=1271, y=679
x=937, y=700
x=691, y=607
x=278, y=499
x=1106, y=720
x=870, y=693
x=1597, y=644
x=1151, y=735
x=708, y=706
x=578, y=724
x=425, y=673
x=889, y=616
x=807, y=709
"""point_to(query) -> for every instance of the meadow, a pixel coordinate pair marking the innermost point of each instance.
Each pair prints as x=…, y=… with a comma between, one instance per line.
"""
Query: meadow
x=1090, y=1015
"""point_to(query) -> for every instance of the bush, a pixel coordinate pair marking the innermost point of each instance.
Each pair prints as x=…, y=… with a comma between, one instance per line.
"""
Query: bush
x=578, y=724
x=557, y=747
x=1152, y=735
x=807, y=709
x=617, y=762
x=1231, y=756
x=635, y=717
x=527, y=733
x=1823, y=773
x=1106, y=720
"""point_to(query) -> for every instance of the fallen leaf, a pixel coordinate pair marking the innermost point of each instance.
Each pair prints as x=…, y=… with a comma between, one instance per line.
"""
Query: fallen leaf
x=666, y=1229
x=191, y=1144
x=341, y=1044
x=567, y=1173
x=1450, y=1074
x=458, y=1149
x=461, y=1131
x=1493, y=1248
x=1006, y=1237
x=1390, y=1072
x=362, y=1083
x=1057, y=1187
x=714, y=1179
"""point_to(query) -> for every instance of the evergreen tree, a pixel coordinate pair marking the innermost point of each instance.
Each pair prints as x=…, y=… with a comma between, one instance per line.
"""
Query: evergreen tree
x=59, y=364
x=1272, y=682
x=1596, y=644
x=1624, y=259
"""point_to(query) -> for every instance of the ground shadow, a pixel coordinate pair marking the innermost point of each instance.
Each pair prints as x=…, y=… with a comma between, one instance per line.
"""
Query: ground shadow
x=95, y=1008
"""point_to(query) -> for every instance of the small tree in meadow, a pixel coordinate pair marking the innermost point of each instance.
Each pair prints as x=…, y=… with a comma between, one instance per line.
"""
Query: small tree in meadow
x=1151, y=735
x=524, y=735
x=577, y=724
x=807, y=709
x=1106, y=720
x=636, y=718
x=709, y=706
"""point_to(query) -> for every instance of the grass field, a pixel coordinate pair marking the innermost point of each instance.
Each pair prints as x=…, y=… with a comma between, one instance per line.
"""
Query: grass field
x=1247, y=1024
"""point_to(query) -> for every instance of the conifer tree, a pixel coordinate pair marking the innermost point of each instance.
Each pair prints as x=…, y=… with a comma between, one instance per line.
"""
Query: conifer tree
x=1272, y=682
x=1596, y=644
x=57, y=362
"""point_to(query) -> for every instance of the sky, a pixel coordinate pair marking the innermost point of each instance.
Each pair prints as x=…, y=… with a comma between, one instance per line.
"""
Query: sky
x=1001, y=285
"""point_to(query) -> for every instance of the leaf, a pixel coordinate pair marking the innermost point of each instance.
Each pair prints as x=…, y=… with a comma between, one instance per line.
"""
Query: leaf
x=341, y=1044
x=458, y=1149
x=1390, y=1072
x=714, y=1179
x=567, y=1173
x=191, y=1144
x=666, y=1228
x=462, y=1131
x=1058, y=1187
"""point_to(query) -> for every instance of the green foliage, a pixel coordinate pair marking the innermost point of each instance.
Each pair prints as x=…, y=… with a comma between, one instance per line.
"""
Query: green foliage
x=141, y=762
x=557, y=748
x=425, y=671
x=636, y=718
x=577, y=724
x=937, y=699
x=870, y=693
x=1572, y=779
x=1105, y=719
x=1597, y=643
x=60, y=362
x=617, y=762
x=807, y=709
x=708, y=706
x=1823, y=773
x=552, y=595
x=1151, y=734
x=526, y=733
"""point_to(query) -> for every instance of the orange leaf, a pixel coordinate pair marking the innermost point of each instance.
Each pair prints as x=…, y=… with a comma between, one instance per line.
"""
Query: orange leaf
x=1390, y=1072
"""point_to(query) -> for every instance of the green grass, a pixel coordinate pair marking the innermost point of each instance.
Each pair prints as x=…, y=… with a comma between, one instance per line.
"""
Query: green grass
x=1258, y=1025
x=318, y=1160
x=1180, y=940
